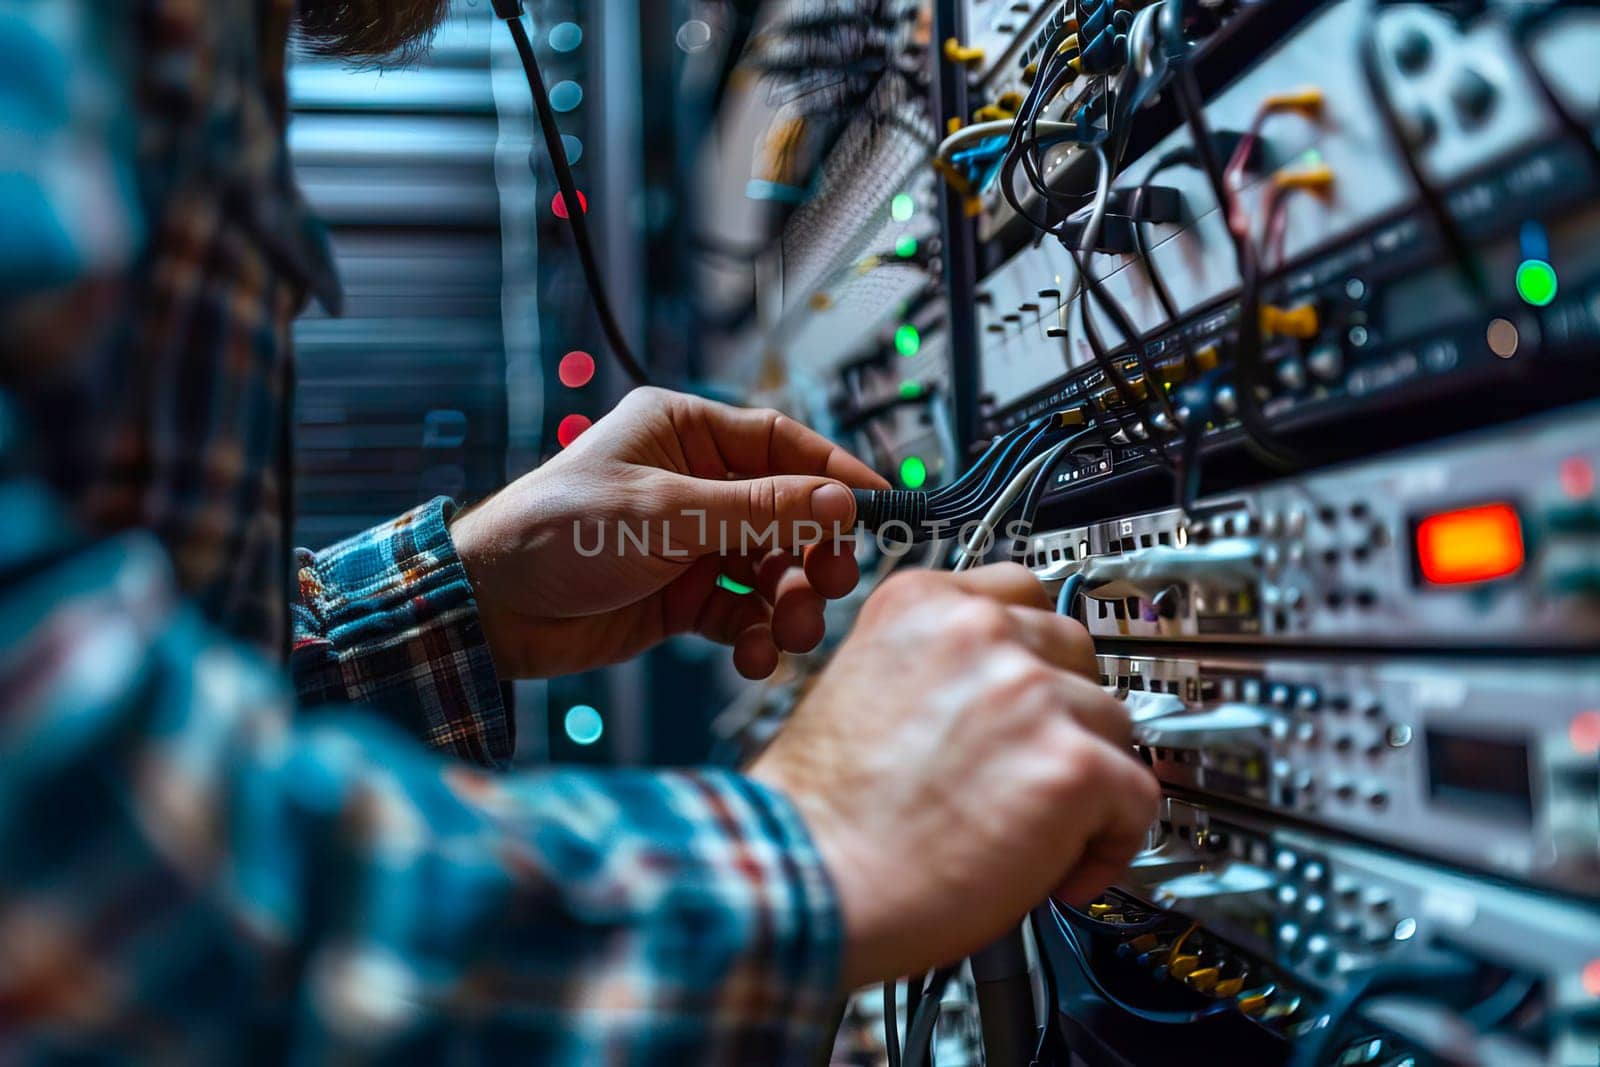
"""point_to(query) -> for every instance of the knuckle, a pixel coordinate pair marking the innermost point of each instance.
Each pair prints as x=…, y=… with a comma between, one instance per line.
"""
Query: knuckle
x=762, y=499
x=1022, y=681
x=980, y=620
x=898, y=592
x=908, y=585
x=1027, y=585
x=648, y=396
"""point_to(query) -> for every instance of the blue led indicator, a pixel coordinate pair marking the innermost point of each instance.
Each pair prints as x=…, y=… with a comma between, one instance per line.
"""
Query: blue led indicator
x=583, y=724
x=1534, y=240
x=566, y=36
x=564, y=96
x=573, y=146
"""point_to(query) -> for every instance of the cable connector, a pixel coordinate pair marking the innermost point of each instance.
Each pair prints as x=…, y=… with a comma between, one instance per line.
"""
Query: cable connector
x=1071, y=417
x=1306, y=100
x=1300, y=321
x=966, y=55
x=1102, y=55
x=877, y=508
x=1317, y=178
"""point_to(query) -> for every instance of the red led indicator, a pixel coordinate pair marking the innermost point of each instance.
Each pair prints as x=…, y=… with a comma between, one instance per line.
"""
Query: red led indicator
x=570, y=428
x=1577, y=477
x=1591, y=978
x=558, y=204
x=1476, y=544
x=575, y=370
x=1584, y=732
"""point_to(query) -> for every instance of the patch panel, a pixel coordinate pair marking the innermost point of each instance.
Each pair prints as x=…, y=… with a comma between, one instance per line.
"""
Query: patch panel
x=1490, y=765
x=1340, y=557
x=1334, y=913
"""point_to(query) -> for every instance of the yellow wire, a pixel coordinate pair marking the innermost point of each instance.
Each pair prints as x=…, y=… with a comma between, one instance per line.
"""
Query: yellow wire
x=1172, y=953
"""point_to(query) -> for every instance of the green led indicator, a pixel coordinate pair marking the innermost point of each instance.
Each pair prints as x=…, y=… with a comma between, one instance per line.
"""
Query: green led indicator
x=906, y=247
x=913, y=472
x=1536, y=282
x=902, y=207
x=583, y=724
x=907, y=341
x=910, y=390
x=738, y=588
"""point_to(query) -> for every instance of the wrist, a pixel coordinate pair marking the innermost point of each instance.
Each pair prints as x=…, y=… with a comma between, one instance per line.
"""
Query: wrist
x=475, y=548
x=865, y=910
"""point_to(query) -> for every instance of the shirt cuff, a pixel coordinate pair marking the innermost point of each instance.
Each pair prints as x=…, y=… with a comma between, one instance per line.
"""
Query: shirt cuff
x=737, y=906
x=387, y=618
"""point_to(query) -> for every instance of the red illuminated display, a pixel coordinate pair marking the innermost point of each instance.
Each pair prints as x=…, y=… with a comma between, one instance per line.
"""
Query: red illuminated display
x=1477, y=544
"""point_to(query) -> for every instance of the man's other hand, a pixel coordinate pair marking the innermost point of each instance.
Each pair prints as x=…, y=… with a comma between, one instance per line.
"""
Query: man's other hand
x=618, y=542
x=956, y=762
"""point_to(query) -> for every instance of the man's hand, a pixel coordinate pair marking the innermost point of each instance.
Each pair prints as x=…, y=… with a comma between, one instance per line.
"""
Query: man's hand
x=955, y=763
x=618, y=542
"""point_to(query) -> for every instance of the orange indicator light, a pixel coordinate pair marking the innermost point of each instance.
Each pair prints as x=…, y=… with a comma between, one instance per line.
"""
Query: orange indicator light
x=1475, y=544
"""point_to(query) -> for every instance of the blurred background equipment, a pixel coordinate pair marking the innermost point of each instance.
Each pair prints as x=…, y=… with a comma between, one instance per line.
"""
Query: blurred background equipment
x=1267, y=333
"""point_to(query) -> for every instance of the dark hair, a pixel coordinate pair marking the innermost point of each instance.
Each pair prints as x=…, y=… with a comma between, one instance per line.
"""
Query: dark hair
x=387, y=32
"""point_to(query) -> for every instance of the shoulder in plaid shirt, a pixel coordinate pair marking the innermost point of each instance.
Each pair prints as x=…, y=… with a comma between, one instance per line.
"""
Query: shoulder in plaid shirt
x=192, y=869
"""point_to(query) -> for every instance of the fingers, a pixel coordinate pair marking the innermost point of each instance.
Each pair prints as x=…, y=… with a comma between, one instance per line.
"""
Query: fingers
x=783, y=611
x=1058, y=640
x=831, y=568
x=797, y=619
x=755, y=656
x=1102, y=862
x=1009, y=583
x=1128, y=802
x=754, y=442
x=788, y=511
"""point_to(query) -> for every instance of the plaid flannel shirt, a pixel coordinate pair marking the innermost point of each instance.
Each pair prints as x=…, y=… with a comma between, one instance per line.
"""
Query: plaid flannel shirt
x=192, y=870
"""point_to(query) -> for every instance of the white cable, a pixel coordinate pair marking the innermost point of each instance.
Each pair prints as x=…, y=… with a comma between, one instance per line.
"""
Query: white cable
x=1013, y=490
x=1224, y=725
x=1234, y=563
x=982, y=131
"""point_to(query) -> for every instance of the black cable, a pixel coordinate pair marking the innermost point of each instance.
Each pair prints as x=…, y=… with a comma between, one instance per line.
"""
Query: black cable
x=1419, y=977
x=1041, y=485
x=1130, y=336
x=1444, y=222
x=1052, y=1004
x=974, y=502
x=919, y=1032
x=913, y=1002
x=1498, y=1007
x=1108, y=370
x=1521, y=31
x=1162, y=1018
x=511, y=12
x=891, y=1027
x=1259, y=437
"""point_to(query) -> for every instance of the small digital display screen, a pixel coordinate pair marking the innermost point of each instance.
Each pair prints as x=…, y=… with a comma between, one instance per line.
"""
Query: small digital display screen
x=1489, y=774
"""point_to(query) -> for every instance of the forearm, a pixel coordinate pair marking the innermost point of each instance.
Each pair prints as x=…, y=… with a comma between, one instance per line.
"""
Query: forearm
x=187, y=862
x=387, y=618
